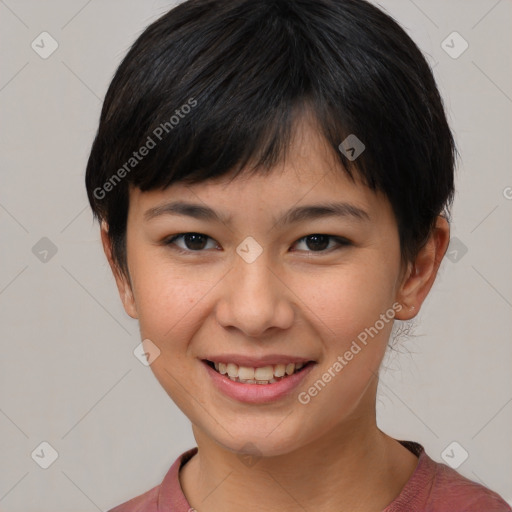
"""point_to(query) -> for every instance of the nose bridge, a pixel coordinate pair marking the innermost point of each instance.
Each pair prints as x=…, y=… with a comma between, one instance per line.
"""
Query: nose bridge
x=253, y=299
x=254, y=279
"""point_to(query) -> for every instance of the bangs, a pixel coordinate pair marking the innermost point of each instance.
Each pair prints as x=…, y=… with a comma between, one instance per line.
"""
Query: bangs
x=218, y=86
x=249, y=144
x=226, y=105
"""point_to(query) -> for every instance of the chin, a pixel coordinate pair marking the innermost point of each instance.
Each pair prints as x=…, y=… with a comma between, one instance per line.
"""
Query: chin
x=261, y=442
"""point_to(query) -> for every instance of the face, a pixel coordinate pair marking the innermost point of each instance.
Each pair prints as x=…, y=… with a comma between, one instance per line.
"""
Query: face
x=265, y=280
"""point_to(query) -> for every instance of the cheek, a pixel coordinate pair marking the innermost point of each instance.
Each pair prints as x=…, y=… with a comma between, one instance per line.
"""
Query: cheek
x=168, y=301
x=346, y=312
x=171, y=311
x=353, y=313
x=349, y=299
x=167, y=312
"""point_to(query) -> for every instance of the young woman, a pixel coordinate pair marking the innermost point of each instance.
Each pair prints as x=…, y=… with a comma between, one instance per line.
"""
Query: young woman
x=273, y=180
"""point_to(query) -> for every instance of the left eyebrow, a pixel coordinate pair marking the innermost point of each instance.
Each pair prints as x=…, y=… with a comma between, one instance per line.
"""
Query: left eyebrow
x=316, y=211
x=292, y=216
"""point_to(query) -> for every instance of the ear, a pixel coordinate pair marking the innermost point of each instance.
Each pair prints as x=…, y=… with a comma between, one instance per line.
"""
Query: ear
x=421, y=273
x=122, y=281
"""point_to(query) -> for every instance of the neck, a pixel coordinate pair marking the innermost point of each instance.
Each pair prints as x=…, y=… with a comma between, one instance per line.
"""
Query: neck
x=355, y=467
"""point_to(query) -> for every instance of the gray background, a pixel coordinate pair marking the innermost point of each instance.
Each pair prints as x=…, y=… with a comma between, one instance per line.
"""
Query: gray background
x=68, y=375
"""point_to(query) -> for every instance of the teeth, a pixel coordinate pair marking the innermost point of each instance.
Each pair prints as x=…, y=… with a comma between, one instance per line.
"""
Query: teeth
x=279, y=370
x=232, y=370
x=262, y=375
x=245, y=373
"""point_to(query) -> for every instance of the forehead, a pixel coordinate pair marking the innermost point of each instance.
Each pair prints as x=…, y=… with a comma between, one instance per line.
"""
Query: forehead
x=309, y=173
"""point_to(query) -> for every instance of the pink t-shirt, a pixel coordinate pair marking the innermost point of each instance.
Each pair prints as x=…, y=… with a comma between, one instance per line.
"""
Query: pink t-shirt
x=433, y=487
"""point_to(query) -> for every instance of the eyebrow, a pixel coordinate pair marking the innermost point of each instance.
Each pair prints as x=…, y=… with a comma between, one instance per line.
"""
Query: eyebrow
x=292, y=216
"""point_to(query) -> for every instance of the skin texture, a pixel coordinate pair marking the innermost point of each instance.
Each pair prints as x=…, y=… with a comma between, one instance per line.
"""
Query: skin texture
x=328, y=454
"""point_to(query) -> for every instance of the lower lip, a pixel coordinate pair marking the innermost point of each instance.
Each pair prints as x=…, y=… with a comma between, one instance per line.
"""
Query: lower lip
x=258, y=393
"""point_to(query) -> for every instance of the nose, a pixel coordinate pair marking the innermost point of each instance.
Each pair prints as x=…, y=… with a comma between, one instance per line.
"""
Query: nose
x=254, y=299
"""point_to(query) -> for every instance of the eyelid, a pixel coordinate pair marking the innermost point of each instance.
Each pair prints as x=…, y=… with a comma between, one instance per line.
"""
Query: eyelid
x=169, y=241
x=340, y=241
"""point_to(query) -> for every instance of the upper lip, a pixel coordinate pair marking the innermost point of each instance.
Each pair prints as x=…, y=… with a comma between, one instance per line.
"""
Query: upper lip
x=256, y=362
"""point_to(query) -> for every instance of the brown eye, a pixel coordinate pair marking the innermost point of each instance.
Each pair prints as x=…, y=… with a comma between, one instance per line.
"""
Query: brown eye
x=190, y=242
x=322, y=243
x=195, y=241
x=317, y=242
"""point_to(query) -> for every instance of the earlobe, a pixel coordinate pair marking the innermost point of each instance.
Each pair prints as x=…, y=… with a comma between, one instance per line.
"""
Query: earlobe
x=123, y=285
x=422, y=272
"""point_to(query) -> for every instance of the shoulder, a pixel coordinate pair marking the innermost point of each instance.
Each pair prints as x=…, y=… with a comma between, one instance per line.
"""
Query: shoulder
x=169, y=492
x=146, y=502
x=436, y=487
x=456, y=492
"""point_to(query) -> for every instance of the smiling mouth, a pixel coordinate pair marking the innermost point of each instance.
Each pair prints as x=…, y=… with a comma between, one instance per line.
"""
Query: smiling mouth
x=262, y=375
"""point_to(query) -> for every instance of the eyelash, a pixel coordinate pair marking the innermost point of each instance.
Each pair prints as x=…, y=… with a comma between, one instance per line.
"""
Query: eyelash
x=342, y=242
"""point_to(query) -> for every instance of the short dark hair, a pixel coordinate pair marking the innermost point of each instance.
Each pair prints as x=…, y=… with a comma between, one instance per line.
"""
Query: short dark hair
x=222, y=82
